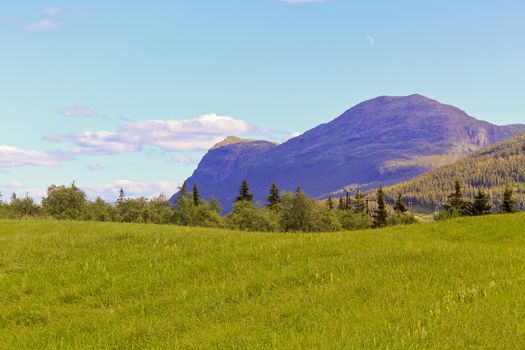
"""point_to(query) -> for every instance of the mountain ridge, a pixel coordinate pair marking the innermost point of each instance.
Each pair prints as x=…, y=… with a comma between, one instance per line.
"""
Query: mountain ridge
x=384, y=140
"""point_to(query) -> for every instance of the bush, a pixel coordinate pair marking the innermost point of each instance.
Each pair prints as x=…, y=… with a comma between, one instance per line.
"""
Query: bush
x=446, y=215
x=159, y=210
x=303, y=214
x=186, y=213
x=204, y=215
x=64, y=203
x=400, y=218
x=246, y=217
x=99, y=210
x=133, y=210
x=19, y=208
x=351, y=221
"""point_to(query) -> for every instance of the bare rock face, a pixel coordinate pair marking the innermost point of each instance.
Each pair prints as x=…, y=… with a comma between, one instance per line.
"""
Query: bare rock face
x=382, y=141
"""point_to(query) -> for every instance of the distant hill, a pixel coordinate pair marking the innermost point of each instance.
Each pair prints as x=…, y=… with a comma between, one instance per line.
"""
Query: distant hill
x=386, y=140
x=490, y=169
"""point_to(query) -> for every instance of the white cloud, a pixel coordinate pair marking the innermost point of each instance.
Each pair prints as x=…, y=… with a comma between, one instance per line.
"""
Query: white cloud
x=14, y=157
x=292, y=135
x=371, y=40
x=169, y=135
x=45, y=24
x=95, y=167
x=99, y=142
x=132, y=189
x=108, y=191
x=182, y=159
x=21, y=190
x=77, y=111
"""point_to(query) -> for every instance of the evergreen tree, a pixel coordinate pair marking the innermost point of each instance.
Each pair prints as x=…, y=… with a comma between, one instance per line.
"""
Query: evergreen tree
x=196, y=196
x=244, y=193
x=347, y=200
x=508, y=204
x=121, y=195
x=359, y=200
x=330, y=202
x=380, y=214
x=341, y=204
x=274, y=199
x=480, y=206
x=182, y=189
x=455, y=202
x=181, y=198
x=400, y=207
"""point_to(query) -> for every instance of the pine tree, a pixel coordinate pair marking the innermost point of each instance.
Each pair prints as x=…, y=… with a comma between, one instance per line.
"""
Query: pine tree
x=347, y=200
x=274, y=199
x=182, y=194
x=380, y=214
x=196, y=195
x=360, y=203
x=455, y=202
x=480, y=206
x=121, y=195
x=341, y=204
x=182, y=189
x=508, y=204
x=244, y=193
x=330, y=202
x=400, y=207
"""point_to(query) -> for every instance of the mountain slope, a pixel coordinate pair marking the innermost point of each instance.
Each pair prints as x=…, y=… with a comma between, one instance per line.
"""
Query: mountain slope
x=382, y=141
x=490, y=169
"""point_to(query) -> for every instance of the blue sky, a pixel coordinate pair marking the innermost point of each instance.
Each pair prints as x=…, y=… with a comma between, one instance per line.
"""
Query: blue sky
x=132, y=93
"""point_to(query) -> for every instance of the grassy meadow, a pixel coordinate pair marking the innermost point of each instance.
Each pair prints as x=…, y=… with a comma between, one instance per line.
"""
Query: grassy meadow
x=79, y=285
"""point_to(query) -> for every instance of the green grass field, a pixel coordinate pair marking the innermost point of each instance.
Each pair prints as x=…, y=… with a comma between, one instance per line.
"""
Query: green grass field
x=74, y=285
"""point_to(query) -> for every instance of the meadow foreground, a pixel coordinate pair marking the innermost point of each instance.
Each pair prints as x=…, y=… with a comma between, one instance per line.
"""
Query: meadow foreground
x=449, y=285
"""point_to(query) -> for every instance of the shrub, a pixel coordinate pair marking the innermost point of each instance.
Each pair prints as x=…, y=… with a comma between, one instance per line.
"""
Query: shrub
x=64, y=203
x=99, y=210
x=246, y=217
x=159, y=210
x=350, y=220
x=205, y=215
x=19, y=208
x=446, y=215
x=133, y=210
x=303, y=214
x=399, y=218
x=186, y=213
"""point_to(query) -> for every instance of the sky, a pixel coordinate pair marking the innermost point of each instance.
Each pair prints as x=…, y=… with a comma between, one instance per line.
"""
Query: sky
x=131, y=94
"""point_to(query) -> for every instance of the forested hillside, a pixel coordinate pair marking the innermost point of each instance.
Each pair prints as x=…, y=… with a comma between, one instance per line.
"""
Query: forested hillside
x=490, y=169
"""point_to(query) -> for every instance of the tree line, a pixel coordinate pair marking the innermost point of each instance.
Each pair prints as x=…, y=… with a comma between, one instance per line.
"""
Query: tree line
x=282, y=212
x=456, y=204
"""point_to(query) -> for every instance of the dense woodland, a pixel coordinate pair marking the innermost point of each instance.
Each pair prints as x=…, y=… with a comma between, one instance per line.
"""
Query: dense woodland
x=490, y=170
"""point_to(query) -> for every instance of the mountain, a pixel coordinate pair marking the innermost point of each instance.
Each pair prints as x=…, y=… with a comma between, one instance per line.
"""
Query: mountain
x=490, y=169
x=382, y=141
